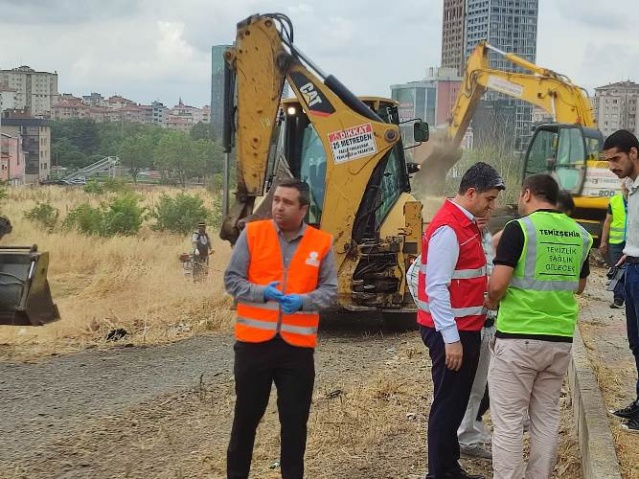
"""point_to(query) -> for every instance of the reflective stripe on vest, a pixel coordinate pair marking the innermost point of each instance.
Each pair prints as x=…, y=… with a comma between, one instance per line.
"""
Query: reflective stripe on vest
x=458, y=312
x=463, y=273
x=618, y=207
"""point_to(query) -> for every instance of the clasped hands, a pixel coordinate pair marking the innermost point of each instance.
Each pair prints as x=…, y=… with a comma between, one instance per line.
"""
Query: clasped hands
x=290, y=303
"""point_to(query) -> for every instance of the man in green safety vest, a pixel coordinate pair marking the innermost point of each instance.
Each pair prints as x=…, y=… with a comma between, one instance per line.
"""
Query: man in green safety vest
x=613, y=239
x=541, y=262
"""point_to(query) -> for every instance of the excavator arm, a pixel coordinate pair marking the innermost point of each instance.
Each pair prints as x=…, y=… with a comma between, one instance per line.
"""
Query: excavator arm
x=355, y=138
x=551, y=91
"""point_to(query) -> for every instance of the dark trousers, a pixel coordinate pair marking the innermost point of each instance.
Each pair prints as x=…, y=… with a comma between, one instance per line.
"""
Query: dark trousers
x=452, y=390
x=632, y=313
x=615, y=252
x=257, y=366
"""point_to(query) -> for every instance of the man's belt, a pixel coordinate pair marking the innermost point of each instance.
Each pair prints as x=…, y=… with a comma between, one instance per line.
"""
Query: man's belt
x=632, y=259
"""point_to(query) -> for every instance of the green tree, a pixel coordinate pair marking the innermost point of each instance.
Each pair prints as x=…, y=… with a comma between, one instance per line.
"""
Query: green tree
x=136, y=152
x=177, y=156
x=202, y=131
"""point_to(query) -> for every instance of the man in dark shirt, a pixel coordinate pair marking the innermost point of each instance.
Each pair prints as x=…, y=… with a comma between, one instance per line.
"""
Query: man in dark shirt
x=541, y=262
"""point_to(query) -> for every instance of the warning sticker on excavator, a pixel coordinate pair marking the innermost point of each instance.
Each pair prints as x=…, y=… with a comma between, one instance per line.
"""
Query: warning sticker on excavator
x=504, y=86
x=352, y=143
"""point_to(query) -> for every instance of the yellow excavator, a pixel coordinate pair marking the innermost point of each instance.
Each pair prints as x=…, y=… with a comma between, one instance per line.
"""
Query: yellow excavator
x=568, y=147
x=348, y=149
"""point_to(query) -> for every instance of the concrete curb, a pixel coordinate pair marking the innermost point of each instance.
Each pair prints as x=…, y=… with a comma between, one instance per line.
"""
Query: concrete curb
x=598, y=455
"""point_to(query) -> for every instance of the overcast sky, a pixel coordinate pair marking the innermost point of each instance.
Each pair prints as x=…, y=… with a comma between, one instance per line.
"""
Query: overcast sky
x=150, y=50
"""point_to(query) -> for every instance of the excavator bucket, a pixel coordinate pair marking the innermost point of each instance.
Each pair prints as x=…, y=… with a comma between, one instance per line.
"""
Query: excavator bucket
x=25, y=297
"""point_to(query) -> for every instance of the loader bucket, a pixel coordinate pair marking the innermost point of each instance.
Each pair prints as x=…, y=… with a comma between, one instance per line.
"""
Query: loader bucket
x=25, y=297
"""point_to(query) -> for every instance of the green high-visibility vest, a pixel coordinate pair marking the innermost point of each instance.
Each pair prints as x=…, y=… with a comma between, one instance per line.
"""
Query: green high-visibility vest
x=618, y=224
x=540, y=299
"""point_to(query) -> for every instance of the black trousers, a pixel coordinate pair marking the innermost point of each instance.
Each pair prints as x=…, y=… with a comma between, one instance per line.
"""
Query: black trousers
x=452, y=390
x=257, y=366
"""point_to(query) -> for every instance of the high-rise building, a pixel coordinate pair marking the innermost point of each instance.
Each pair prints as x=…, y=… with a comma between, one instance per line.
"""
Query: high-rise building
x=217, y=88
x=35, y=92
x=615, y=106
x=509, y=25
x=453, y=28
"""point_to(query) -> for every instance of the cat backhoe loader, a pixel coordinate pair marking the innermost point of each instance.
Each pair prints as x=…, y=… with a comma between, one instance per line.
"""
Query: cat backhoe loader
x=348, y=149
x=568, y=148
x=25, y=297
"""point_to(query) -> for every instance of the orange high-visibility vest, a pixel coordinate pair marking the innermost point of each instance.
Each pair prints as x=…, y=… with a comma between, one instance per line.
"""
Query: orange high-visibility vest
x=261, y=321
x=469, y=281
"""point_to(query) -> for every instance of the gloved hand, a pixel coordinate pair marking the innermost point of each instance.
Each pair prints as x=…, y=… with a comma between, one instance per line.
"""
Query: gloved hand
x=291, y=303
x=272, y=293
x=196, y=252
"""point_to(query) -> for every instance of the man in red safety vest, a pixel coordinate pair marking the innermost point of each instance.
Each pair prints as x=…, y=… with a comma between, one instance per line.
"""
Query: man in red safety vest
x=451, y=287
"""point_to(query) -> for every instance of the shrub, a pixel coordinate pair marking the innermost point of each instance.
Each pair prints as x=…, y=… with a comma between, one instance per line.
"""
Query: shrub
x=93, y=187
x=43, y=214
x=85, y=218
x=123, y=216
x=179, y=214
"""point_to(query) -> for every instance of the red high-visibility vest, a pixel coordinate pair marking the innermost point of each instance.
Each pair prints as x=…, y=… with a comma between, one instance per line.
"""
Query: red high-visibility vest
x=261, y=321
x=469, y=281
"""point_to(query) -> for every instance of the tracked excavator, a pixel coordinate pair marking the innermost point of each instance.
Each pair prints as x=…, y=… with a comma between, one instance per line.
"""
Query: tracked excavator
x=25, y=296
x=348, y=149
x=568, y=147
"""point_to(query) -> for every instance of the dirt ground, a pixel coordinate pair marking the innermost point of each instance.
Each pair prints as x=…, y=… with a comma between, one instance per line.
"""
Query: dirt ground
x=604, y=333
x=165, y=411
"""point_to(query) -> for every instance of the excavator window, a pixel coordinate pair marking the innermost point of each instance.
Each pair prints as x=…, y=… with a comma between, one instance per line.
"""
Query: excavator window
x=313, y=171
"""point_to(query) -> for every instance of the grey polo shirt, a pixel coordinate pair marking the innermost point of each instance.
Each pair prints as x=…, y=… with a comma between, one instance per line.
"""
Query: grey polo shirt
x=236, y=274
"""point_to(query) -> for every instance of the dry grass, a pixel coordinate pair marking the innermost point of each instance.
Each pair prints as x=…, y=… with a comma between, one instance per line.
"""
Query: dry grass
x=135, y=283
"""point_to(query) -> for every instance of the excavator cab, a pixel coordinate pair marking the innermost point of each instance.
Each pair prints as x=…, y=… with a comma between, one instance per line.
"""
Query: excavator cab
x=25, y=296
x=564, y=151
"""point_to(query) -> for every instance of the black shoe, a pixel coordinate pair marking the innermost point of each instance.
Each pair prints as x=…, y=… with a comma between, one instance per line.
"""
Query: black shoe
x=628, y=412
x=632, y=425
x=617, y=303
x=461, y=474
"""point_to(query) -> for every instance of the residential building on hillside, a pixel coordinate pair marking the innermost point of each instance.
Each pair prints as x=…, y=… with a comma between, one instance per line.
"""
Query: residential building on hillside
x=615, y=107
x=11, y=159
x=217, y=88
x=36, y=142
x=118, y=108
x=36, y=92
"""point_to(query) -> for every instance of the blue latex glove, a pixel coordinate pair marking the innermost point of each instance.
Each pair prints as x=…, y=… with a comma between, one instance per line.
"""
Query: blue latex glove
x=291, y=303
x=272, y=293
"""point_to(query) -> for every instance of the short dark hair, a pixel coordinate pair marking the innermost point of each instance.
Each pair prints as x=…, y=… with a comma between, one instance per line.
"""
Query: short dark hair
x=565, y=203
x=482, y=177
x=623, y=140
x=301, y=186
x=542, y=186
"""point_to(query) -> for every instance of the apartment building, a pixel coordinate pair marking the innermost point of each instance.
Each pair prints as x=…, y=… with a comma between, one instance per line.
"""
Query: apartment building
x=35, y=92
x=36, y=143
x=11, y=159
x=615, y=107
